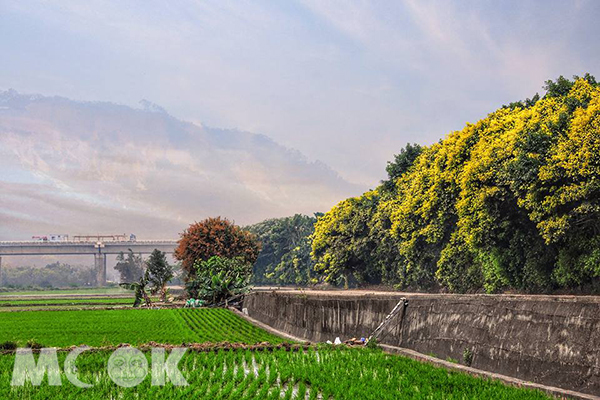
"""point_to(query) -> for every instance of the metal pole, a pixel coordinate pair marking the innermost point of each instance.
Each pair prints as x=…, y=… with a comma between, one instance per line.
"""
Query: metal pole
x=0, y=271
x=401, y=306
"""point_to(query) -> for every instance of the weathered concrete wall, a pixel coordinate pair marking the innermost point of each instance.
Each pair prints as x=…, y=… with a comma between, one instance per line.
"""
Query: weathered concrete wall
x=553, y=340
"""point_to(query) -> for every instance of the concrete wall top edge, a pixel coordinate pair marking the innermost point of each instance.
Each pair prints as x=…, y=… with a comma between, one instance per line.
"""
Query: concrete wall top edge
x=354, y=294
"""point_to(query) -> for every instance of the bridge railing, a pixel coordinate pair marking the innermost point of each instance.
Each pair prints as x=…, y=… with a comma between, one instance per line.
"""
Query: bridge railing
x=71, y=242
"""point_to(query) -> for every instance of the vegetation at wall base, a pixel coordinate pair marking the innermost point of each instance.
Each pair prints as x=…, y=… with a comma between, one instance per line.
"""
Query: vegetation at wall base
x=219, y=279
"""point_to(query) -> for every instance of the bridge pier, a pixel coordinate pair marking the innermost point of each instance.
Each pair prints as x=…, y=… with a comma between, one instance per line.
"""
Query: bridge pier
x=100, y=267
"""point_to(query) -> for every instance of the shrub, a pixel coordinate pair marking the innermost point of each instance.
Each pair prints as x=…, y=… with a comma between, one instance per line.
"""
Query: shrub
x=468, y=357
x=8, y=345
x=32, y=344
x=219, y=279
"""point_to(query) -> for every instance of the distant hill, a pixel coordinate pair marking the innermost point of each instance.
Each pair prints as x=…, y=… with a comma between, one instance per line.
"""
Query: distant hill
x=70, y=166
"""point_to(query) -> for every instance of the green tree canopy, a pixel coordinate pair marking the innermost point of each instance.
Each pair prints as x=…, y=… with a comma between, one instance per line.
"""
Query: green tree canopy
x=130, y=267
x=219, y=279
x=159, y=273
x=285, y=254
x=510, y=202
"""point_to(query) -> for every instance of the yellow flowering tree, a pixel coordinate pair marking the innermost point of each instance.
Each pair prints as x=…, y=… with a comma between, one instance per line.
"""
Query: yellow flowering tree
x=510, y=202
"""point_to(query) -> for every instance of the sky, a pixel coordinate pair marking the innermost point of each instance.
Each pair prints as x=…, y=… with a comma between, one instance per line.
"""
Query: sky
x=345, y=83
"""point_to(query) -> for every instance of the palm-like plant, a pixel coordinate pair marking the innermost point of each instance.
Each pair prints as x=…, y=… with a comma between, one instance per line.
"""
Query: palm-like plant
x=219, y=279
x=140, y=290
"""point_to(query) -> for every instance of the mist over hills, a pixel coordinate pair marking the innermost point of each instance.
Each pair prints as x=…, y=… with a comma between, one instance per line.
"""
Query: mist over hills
x=98, y=167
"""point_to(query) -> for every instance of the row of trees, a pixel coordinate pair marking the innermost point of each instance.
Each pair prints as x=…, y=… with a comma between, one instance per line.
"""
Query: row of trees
x=52, y=275
x=510, y=202
x=220, y=258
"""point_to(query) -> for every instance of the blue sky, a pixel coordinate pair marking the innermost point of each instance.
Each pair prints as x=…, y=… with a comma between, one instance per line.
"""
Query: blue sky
x=345, y=82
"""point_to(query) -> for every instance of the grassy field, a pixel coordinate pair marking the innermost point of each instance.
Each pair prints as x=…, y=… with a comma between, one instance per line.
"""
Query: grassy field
x=112, y=327
x=48, y=303
x=76, y=301
x=79, y=291
x=354, y=374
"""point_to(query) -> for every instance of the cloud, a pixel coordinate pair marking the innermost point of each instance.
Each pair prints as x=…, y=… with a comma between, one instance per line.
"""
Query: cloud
x=89, y=167
x=345, y=82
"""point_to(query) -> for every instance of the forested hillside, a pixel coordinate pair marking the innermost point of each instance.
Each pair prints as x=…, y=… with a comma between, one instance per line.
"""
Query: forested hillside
x=511, y=202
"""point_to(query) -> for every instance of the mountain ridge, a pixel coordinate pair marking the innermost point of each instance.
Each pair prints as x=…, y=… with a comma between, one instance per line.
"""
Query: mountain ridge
x=126, y=160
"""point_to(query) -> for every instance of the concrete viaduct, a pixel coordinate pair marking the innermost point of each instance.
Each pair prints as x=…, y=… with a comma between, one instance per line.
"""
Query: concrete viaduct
x=98, y=249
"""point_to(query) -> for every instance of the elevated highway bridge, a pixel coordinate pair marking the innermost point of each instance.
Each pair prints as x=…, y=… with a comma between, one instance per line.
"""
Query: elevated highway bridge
x=98, y=249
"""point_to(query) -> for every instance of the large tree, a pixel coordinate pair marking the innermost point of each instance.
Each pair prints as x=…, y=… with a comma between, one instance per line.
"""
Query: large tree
x=215, y=237
x=342, y=244
x=285, y=254
x=160, y=273
x=352, y=243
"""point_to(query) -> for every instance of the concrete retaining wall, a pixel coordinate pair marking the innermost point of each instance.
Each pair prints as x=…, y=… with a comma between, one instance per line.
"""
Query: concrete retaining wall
x=552, y=340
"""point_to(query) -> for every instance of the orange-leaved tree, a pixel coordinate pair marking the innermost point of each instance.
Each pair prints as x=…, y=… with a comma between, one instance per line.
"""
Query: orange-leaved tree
x=215, y=237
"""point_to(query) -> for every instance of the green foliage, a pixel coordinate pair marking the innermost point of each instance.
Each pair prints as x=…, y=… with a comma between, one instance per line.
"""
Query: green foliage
x=219, y=279
x=130, y=267
x=139, y=288
x=403, y=161
x=468, y=357
x=352, y=243
x=285, y=251
x=342, y=245
x=52, y=275
x=159, y=273
x=373, y=344
x=510, y=202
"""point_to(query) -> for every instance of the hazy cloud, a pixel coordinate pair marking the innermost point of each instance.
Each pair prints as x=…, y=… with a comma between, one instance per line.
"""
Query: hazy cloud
x=86, y=167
